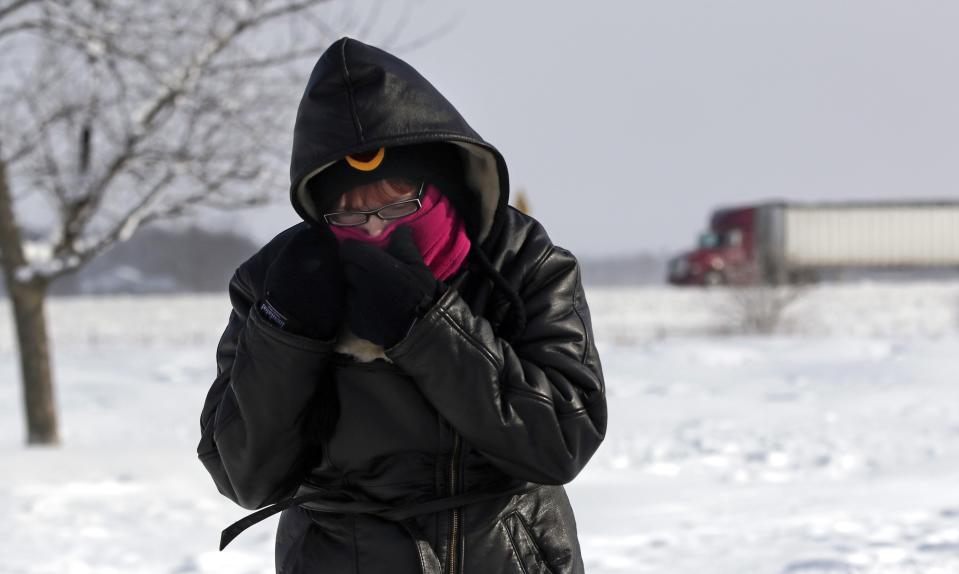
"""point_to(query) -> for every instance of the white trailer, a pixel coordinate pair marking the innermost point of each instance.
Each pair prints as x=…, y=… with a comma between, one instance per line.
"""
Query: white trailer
x=795, y=239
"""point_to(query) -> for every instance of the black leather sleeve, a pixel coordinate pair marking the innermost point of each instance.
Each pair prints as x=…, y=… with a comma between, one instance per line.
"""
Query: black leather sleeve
x=251, y=424
x=537, y=408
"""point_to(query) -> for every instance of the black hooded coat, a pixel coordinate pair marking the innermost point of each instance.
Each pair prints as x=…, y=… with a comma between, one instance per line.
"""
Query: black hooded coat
x=451, y=447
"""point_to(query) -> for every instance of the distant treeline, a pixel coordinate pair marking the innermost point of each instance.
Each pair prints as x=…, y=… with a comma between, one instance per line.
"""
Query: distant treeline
x=637, y=269
x=192, y=260
x=157, y=260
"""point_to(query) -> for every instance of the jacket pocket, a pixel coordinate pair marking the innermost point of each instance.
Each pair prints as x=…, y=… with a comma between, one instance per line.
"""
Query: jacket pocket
x=527, y=551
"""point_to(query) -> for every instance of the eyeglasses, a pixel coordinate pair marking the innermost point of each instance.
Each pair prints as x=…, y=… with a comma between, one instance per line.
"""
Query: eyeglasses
x=387, y=212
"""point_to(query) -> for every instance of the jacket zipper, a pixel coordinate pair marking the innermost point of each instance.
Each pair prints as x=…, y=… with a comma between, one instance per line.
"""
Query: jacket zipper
x=454, y=512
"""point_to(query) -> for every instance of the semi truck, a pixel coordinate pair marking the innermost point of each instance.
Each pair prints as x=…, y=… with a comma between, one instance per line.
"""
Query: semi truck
x=790, y=242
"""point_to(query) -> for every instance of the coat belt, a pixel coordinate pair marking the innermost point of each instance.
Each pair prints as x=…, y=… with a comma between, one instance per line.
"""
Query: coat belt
x=319, y=502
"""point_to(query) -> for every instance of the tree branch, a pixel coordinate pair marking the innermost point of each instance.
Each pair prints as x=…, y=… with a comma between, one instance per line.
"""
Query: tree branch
x=14, y=6
x=121, y=132
x=186, y=78
x=272, y=61
x=21, y=26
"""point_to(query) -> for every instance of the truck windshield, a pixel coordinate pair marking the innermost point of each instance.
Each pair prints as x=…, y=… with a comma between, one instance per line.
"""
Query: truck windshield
x=715, y=240
x=709, y=240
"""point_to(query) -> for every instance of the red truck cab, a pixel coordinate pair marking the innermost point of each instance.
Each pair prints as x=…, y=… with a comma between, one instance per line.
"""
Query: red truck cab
x=724, y=254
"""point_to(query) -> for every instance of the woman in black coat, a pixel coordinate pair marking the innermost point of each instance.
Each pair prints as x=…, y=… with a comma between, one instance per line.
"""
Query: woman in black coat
x=410, y=387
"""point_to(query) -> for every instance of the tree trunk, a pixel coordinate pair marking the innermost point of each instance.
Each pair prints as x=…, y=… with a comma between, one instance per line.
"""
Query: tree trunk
x=27, y=299
x=38, y=396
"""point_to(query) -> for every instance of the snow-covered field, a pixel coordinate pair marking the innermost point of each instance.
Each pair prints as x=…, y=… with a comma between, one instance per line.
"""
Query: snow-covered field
x=832, y=447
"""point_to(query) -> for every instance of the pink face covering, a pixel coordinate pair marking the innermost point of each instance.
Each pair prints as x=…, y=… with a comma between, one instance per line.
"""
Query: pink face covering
x=438, y=231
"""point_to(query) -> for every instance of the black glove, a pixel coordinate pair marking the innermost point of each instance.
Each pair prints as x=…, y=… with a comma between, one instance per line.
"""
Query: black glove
x=305, y=287
x=387, y=289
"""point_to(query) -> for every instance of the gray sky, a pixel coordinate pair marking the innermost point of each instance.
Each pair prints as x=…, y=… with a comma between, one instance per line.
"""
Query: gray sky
x=627, y=122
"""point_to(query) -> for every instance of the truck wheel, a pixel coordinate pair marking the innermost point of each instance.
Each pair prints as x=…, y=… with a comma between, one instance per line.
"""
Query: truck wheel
x=714, y=278
x=804, y=277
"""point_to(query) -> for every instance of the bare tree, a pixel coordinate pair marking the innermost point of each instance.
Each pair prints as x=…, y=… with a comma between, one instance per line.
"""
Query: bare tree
x=117, y=113
x=758, y=309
